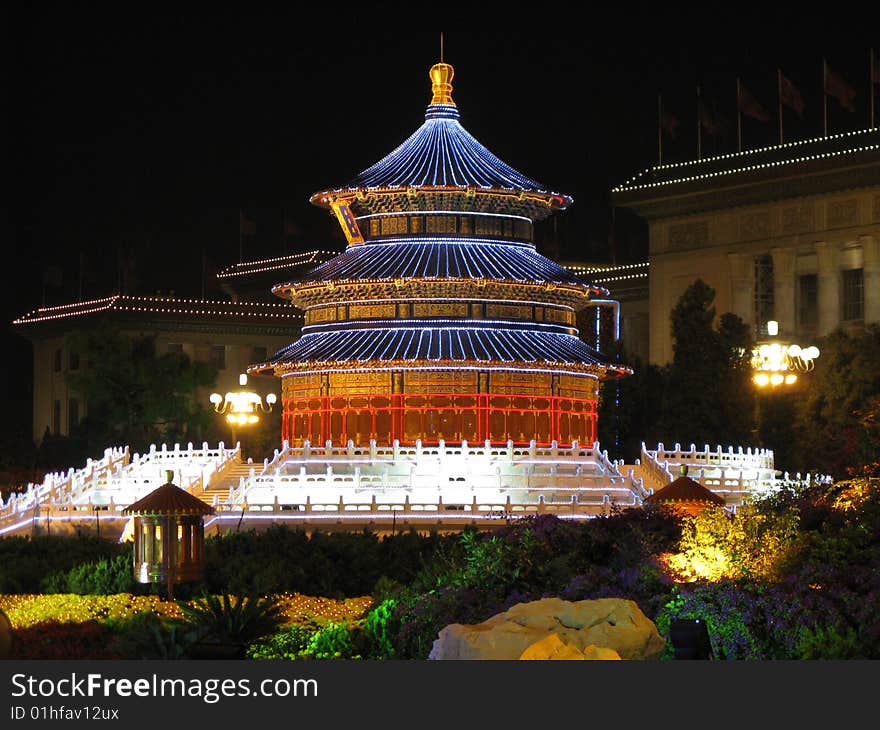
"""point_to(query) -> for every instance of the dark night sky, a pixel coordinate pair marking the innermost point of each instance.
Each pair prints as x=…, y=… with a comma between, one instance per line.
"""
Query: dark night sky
x=149, y=133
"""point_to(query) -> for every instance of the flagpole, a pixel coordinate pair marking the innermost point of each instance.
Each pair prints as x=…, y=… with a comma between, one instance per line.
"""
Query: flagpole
x=240, y=255
x=871, y=79
x=699, y=127
x=779, y=95
x=825, y=96
x=659, y=130
x=739, y=130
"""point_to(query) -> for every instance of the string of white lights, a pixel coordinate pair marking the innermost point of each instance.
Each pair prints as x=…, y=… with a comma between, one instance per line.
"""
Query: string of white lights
x=169, y=305
x=747, y=168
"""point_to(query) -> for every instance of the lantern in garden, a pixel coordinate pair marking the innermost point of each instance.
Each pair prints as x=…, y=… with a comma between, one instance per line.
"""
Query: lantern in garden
x=169, y=536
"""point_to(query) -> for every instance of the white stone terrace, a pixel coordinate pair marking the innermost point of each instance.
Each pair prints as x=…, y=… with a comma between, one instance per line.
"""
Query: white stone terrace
x=445, y=484
x=736, y=474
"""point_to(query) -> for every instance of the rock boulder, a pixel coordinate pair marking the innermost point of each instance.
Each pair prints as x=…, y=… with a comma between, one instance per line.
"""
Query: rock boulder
x=604, y=623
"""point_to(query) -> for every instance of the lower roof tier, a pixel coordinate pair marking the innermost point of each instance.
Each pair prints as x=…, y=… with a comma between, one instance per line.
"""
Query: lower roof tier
x=403, y=259
x=441, y=347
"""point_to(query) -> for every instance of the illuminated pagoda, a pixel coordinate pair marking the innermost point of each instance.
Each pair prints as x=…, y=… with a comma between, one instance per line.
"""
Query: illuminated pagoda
x=440, y=322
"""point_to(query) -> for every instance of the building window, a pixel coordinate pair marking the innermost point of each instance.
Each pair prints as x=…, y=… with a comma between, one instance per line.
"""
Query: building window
x=218, y=356
x=763, y=293
x=56, y=361
x=808, y=300
x=259, y=354
x=853, y=295
x=72, y=414
x=56, y=417
x=73, y=361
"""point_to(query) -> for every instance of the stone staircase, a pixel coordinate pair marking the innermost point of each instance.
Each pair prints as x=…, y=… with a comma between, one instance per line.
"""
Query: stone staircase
x=230, y=479
x=648, y=476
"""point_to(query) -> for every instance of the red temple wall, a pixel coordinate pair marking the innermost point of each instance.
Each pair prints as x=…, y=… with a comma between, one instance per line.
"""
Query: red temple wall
x=565, y=416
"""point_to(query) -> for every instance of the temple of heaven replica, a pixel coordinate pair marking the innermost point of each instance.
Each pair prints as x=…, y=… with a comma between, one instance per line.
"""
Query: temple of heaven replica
x=439, y=379
x=440, y=321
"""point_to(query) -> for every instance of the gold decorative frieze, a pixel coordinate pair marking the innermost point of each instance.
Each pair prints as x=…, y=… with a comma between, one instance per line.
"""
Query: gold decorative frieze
x=440, y=309
x=562, y=316
x=508, y=311
x=371, y=311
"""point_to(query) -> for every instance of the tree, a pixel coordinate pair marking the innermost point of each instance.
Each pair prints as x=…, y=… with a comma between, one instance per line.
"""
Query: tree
x=708, y=396
x=135, y=396
x=836, y=419
x=629, y=409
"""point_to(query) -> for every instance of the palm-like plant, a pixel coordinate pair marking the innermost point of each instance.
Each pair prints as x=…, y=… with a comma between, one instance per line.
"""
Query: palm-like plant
x=232, y=619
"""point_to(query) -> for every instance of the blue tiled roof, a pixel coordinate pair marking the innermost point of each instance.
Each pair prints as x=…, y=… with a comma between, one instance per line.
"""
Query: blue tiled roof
x=451, y=345
x=405, y=258
x=442, y=152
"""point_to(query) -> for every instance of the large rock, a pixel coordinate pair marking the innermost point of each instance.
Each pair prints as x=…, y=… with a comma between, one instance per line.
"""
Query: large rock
x=551, y=647
x=611, y=623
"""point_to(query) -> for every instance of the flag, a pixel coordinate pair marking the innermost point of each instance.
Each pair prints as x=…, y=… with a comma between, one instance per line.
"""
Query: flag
x=668, y=123
x=790, y=96
x=290, y=229
x=750, y=106
x=875, y=70
x=708, y=120
x=246, y=227
x=838, y=88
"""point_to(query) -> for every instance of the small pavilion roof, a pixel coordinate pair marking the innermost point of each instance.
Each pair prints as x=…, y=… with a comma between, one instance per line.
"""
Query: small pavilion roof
x=169, y=499
x=685, y=489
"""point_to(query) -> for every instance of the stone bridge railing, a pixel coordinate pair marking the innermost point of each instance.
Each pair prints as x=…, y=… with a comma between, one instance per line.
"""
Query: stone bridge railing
x=116, y=480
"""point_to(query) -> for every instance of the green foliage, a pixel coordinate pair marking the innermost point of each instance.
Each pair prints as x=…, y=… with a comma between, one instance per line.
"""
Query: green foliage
x=105, y=577
x=136, y=396
x=27, y=563
x=829, y=642
x=836, y=426
x=148, y=636
x=290, y=643
x=751, y=544
x=377, y=631
x=709, y=396
x=334, y=565
x=333, y=641
x=232, y=619
x=629, y=409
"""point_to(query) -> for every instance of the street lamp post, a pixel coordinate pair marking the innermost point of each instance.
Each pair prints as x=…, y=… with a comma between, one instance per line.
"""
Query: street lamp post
x=242, y=407
x=776, y=364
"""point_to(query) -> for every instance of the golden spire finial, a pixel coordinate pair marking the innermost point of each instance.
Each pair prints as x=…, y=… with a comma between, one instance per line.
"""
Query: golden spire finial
x=441, y=83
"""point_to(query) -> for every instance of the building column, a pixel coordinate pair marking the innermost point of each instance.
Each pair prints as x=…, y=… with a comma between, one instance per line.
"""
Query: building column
x=742, y=296
x=783, y=289
x=829, y=287
x=871, y=272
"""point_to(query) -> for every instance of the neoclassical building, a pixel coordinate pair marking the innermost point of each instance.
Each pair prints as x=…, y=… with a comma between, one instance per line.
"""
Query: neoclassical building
x=788, y=233
x=229, y=333
x=440, y=321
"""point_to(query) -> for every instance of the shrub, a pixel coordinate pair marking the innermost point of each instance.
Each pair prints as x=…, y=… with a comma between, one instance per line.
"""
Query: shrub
x=232, y=620
x=104, y=577
x=57, y=640
x=290, y=643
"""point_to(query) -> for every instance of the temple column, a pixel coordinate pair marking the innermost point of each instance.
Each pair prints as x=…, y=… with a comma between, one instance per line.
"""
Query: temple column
x=871, y=272
x=783, y=289
x=829, y=287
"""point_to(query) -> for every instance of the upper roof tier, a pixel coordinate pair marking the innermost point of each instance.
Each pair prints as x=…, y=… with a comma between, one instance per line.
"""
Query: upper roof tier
x=441, y=166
